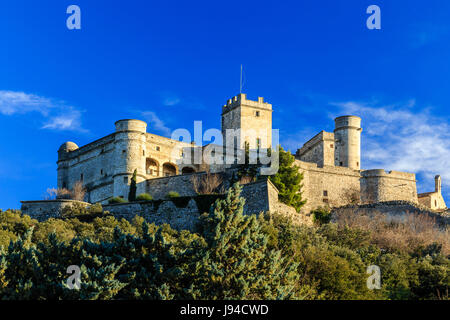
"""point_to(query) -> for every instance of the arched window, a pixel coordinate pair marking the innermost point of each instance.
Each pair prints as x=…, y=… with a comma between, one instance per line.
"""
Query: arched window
x=169, y=170
x=186, y=170
x=152, y=167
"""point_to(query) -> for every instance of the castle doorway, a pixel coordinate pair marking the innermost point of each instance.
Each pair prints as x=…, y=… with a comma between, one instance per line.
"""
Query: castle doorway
x=169, y=170
x=152, y=167
x=186, y=170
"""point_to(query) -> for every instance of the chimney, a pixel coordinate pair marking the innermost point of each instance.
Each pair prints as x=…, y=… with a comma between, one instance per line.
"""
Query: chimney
x=437, y=183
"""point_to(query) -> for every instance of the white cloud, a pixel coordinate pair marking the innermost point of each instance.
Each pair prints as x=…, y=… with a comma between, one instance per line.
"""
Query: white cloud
x=396, y=137
x=69, y=120
x=156, y=123
x=12, y=102
x=57, y=115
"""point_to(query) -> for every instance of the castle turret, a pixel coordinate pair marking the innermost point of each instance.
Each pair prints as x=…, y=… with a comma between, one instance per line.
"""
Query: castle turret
x=63, y=164
x=129, y=148
x=347, y=134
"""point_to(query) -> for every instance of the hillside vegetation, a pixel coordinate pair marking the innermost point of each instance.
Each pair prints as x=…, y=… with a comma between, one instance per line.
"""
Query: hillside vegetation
x=232, y=257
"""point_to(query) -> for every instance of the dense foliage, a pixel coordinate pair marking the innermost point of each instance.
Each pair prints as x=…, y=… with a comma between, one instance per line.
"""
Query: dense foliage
x=233, y=257
x=288, y=180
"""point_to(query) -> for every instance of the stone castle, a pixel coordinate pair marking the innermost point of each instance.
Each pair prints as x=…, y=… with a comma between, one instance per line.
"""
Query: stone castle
x=330, y=162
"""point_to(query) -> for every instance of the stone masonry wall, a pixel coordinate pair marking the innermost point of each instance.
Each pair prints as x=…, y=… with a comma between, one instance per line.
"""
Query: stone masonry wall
x=326, y=186
x=378, y=185
x=42, y=210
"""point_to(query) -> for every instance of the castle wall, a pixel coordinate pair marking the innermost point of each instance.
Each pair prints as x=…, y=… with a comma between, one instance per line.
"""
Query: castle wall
x=378, y=185
x=106, y=166
x=42, y=210
x=319, y=150
x=327, y=186
x=92, y=164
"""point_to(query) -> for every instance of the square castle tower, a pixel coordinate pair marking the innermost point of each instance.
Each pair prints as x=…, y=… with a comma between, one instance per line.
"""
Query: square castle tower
x=247, y=121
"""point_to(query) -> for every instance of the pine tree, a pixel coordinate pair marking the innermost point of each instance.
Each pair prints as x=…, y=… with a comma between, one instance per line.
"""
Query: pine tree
x=237, y=263
x=288, y=181
x=132, y=193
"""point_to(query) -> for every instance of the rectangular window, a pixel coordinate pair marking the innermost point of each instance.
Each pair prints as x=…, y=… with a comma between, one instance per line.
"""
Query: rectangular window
x=81, y=177
x=257, y=113
x=158, y=148
x=331, y=145
x=125, y=180
x=325, y=193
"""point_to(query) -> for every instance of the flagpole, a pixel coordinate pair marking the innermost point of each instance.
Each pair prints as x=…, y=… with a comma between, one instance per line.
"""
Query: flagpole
x=240, y=85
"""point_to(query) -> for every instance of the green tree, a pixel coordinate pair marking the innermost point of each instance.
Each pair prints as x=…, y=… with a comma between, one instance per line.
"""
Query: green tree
x=288, y=180
x=132, y=193
x=237, y=263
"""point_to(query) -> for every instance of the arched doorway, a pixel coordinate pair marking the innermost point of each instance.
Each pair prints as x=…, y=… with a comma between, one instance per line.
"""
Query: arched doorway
x=152, y=167
x=186, y=170
x=169, y=170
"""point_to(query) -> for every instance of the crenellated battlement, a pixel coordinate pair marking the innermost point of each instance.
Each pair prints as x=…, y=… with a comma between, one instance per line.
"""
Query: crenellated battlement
x=381, y=173
x=241, y=100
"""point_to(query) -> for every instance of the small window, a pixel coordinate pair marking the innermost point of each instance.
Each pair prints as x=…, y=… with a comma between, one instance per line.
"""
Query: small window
x=357, y=164
x=341, y=163
x=331, y=146
x=435, y=203
x=325, y=200
x=143, y=153
x=123, y=151
x=257, y=113
x=81, y=177
x=125, y=180
x=158, y=148
x=325, y=193
x=101, y=171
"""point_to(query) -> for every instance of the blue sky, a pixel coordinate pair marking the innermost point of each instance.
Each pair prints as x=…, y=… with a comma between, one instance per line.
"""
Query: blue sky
x=173, y=62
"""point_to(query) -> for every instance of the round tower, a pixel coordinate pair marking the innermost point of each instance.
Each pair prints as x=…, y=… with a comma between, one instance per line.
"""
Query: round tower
x=347, y=135
x=129, y=148
x=63, y=164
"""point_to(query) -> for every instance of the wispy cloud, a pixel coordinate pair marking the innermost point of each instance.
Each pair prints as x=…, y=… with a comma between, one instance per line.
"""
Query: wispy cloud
x=156, y=123
x=12, y=102
x=403, y=137
x=56, y=114
x=171, y=101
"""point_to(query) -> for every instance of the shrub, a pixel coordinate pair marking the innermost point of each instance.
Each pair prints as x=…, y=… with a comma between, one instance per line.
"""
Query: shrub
x=117, y=200
x=321, y=215
x=172, y=194
x=207, y=183
x=144, y=197
x=78, y=191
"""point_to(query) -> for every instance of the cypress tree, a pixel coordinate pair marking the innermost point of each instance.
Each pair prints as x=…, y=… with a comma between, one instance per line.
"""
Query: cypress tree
x=132, y=193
